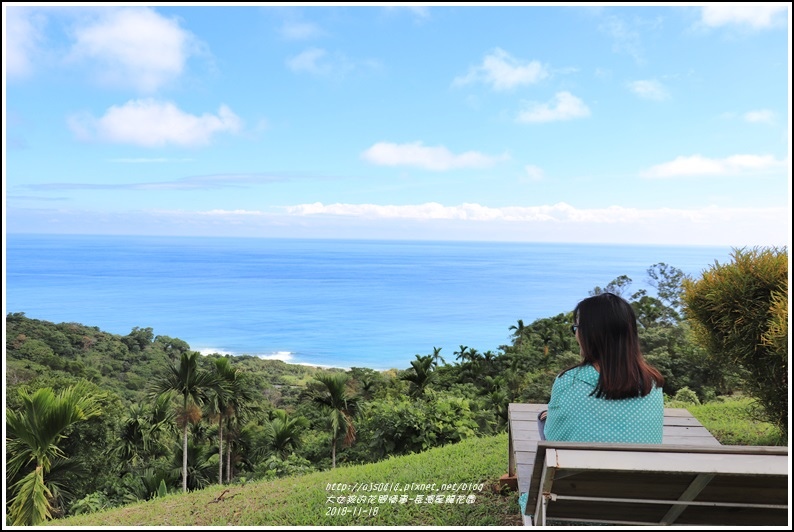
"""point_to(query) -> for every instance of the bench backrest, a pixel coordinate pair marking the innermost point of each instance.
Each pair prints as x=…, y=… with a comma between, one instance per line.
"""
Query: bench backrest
x=659, y=484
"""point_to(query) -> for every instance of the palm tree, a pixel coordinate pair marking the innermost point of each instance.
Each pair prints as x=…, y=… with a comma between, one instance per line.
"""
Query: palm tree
x=437, y=356
x=519, y=333
x=475, y=357
x=220, y=406
x=546, y=333
x=32, y=436
x=192, y=384
x=463, y=354
x=199, y=465
x=367, y=384
x=333, y=397
x=141, y=432
x=284, y=432
x=422, y=374
x=239, y=404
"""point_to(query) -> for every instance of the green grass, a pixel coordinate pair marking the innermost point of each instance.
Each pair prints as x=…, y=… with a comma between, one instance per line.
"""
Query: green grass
x=303, y=501
x=732, y=422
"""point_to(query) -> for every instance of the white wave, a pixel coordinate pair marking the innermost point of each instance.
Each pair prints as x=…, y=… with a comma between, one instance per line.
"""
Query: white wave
x=213, y=351
x=284, y=356
x=324, y=366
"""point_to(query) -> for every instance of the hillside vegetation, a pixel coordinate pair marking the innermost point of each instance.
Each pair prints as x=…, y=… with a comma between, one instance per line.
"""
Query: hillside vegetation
x=471, y=468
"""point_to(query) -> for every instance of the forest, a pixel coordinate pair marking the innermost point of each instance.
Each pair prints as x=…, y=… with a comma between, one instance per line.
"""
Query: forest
x=97, y=420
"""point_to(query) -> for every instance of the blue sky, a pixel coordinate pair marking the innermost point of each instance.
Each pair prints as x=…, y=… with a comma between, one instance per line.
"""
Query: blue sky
x=644, y=124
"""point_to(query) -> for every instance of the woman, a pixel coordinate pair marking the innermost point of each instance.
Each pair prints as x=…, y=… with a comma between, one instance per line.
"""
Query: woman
x=613, y=394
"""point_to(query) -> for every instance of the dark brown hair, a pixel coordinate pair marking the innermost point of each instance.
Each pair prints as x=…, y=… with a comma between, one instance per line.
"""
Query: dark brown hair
x=607, y=329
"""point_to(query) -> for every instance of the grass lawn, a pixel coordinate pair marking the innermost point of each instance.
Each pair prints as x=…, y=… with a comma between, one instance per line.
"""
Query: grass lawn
x=455, y=485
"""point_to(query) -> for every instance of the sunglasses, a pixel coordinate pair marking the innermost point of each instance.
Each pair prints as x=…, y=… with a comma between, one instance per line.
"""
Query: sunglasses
x=573, y=329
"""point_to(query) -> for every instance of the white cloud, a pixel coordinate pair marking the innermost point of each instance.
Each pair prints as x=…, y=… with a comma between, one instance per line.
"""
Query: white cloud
x=421, y=13
x=561, y=213
x=309, y=61
x=151, y=123
x=624, y=38
x=697, y=165
x=534, y=173
x=138, y=160
x=760, y=116
x=707, y=225
x=649, y=89
x=436, y=158
x=756, y=15
x=22, y=39
x=565, y=106
x=500, y=70
x=425, y=211
x=134, y=46
x=319, y=62
x=298, y=31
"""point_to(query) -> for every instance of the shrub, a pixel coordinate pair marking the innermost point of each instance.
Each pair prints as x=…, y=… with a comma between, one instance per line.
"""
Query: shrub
x=685, y=395
x=739, y=313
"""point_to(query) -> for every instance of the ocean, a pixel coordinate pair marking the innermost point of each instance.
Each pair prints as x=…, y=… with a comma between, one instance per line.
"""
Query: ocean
x=336, y=303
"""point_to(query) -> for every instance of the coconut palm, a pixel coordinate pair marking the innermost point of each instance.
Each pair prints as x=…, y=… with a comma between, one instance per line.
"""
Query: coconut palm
x=192, y=384
x=331, y=394
x=32, y=437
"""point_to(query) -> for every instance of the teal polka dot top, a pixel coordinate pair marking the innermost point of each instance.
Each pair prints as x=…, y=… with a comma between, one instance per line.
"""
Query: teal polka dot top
x=575, y=415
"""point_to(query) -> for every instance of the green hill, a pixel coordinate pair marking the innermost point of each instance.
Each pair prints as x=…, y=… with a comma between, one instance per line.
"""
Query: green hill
x=462, y=479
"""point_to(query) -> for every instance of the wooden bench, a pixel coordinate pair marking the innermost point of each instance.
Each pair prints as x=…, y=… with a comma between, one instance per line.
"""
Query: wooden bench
x=690, y=479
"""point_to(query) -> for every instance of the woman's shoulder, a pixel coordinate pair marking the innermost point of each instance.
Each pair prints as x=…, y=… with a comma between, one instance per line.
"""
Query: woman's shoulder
x=582, y=371
x=586, y=373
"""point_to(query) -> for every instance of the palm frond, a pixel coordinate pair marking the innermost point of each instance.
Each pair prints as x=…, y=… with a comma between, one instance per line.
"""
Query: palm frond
x=31, y=505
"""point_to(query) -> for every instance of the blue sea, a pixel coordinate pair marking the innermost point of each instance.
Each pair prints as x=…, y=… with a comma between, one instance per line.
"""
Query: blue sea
x=340, y=303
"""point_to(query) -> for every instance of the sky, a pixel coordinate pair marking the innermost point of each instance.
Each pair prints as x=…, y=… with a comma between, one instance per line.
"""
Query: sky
x=644, y=124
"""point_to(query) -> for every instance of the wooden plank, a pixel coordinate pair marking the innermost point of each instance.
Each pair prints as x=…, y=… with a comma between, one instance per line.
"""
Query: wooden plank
x=522, y=430
x=673, y=412
x=525, y=459
x=525, y=410
x=524, y=474
x=527, y=433
x=676, y=430
x=697, y=441
x=525, y=415
x=678, y=421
